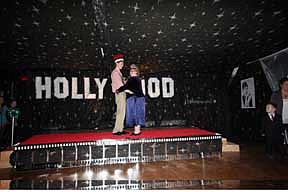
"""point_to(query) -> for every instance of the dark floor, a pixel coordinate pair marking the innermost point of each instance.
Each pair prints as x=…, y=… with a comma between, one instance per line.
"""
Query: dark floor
x=249, y=169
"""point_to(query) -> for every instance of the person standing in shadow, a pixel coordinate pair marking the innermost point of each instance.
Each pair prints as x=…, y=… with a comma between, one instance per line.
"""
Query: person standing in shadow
x=280, y=98
x=273, y=126
x=3, y=124
x=14, y=112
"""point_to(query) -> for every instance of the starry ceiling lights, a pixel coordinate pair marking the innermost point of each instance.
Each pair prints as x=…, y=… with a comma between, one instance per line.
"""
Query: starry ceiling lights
x=161, y=34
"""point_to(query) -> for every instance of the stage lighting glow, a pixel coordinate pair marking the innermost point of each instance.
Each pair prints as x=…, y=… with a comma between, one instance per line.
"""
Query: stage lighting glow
x=130, y=173
x=89, y=174
x=137, y=166
x=202, y=155
x=75, y=176
x=103, y=174
x=117, y=172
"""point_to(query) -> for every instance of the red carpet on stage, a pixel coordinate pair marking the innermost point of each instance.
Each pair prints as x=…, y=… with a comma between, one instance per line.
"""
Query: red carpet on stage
x=94, y=136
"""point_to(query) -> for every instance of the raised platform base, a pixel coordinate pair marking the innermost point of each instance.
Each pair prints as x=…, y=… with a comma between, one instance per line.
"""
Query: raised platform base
x=113, y=184
x=117, y=151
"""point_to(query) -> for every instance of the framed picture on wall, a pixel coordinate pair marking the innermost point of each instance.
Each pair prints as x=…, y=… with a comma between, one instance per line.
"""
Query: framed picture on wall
x=248, y=93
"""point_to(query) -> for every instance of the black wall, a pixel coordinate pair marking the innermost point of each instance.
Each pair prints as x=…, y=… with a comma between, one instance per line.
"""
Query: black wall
x=194, y=102
x=246, y=123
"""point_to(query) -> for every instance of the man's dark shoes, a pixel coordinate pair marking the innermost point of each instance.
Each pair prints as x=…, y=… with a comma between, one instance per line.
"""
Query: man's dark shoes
x=117, y=133
x=120, y=133
x=136, y=133
x=123, y=132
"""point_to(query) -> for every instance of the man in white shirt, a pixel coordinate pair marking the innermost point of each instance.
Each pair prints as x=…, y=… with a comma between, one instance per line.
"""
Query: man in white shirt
x=120, y=98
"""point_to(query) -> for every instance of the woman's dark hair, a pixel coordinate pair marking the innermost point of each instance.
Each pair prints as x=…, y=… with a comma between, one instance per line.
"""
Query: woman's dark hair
x=12, y=99
x=283, y=80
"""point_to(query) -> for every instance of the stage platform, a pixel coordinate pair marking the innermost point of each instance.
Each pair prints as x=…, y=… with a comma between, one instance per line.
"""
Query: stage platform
x=48, y=151
x=114, y=184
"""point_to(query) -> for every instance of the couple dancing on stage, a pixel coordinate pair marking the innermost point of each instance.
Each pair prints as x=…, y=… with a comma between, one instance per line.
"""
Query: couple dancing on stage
x=129, y=98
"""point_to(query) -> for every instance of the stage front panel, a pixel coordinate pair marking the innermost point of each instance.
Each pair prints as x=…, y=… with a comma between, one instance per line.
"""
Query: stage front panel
x=115, y=151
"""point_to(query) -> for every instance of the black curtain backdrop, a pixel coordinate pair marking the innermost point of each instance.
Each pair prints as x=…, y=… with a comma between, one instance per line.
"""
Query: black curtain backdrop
x=245, y=124
x=193, y=103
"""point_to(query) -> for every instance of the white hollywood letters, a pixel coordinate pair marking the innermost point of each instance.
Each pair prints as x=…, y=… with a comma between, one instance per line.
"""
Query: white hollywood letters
x=61, y=86
x=64, y=92
x=154, y=87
